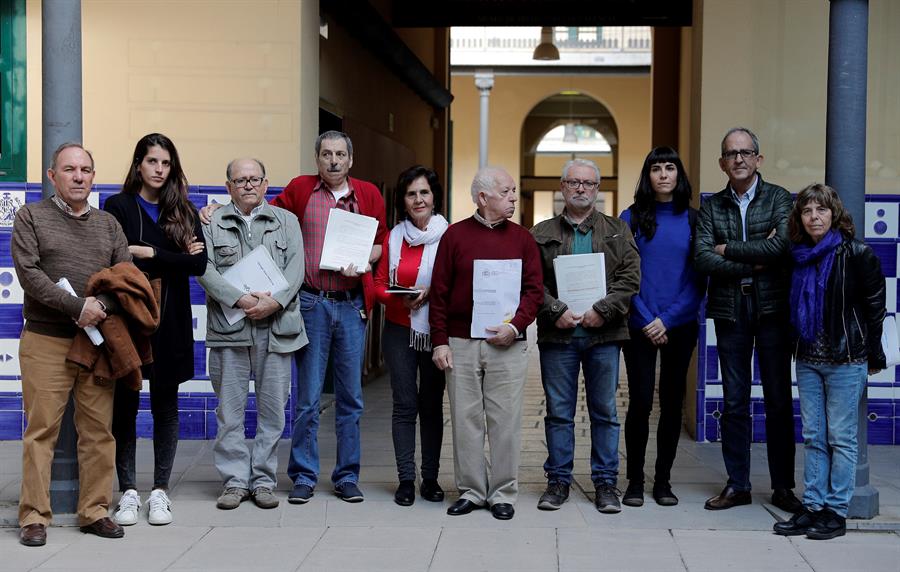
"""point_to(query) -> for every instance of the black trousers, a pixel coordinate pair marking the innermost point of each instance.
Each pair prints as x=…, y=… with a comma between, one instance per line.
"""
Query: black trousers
x=424, y=400
x=164, y=407
x=771, y=336
x=640, y=365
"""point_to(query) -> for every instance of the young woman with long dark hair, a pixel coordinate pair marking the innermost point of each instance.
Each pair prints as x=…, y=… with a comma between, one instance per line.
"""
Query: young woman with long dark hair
x=663, y=318
x=166, y=241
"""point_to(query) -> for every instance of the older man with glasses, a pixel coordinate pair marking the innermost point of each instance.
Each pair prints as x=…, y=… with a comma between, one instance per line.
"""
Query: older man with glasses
x=742, y=244
x=588, y=341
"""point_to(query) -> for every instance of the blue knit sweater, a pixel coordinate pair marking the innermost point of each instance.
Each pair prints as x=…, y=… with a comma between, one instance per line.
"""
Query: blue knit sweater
x=670, y=289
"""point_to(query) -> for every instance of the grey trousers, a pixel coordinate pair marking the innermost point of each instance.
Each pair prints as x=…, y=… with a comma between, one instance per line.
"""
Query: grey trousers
x=230, y=371
x=485, y=387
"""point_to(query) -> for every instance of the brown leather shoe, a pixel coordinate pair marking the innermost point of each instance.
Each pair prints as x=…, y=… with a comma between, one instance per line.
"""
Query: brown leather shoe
x=727, y=499
x=33, y=535
x=105, y=528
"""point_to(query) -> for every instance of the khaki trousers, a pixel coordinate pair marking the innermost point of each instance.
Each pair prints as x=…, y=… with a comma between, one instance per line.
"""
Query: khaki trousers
x=486, y=386
x=47, y=381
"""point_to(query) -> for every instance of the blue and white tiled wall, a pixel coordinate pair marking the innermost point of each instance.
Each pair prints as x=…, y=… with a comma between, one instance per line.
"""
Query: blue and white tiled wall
x=197, y=402
x=882, y=233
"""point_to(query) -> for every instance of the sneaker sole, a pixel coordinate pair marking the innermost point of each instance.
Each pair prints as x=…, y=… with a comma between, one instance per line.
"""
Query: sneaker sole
x=609, y=509
x=298, y=500
x=160, y=522
x=635, y=502
x=350, y=499
x=546, y=505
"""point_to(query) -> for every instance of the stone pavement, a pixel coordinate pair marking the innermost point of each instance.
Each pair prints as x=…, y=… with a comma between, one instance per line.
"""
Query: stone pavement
x=328, y=534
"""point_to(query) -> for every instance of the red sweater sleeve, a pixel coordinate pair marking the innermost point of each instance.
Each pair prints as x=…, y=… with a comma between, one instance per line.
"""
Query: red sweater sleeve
x=381, y=274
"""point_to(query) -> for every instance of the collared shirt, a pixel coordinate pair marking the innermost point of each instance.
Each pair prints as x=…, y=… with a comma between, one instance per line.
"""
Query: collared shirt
x=64, y=206
x=485, y=222
x=248, y=218
x=582, y=243
x=315, y=219
x=743, y=202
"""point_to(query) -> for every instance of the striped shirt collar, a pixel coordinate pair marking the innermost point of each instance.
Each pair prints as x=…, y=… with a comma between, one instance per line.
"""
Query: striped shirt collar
x=64, y=207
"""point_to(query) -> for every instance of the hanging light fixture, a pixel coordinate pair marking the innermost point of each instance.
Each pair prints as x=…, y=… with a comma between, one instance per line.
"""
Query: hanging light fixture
x=546, y=50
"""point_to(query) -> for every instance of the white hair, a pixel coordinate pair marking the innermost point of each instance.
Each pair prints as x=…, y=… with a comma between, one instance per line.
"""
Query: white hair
x=579, y=163
x=485, y=180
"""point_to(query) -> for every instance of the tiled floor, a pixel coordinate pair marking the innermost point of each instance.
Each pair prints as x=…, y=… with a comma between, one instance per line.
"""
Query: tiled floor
x=328, y=534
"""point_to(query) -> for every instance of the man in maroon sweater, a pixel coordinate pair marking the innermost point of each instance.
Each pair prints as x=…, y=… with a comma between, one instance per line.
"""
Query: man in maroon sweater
x=485, y=377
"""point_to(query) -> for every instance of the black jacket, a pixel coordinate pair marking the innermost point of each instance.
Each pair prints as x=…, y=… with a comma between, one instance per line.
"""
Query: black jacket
x=173, y=342
x=719, y=222
x=855, y=305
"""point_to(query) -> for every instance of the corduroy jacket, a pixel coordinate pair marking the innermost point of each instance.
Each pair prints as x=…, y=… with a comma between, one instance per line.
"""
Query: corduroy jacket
x=613, y=238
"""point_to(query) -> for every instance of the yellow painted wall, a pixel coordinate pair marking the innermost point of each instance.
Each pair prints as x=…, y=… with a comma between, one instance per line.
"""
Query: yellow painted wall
x=551, y=165
x=513, y=97
x=773, y=77
x=222, y=79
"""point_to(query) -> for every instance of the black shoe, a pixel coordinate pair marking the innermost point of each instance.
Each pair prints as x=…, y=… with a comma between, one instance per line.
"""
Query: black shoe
x=300, y=494
x=462, y=506
x=797, y=525
x=349, y=492
x=827, y=525
x=104, y=528
x=503, y=511
x=663, y=495
x=554, y=496
x=431, y=490
x=606, y=498
x=728, y=498
x=406, y=493
x=634, y=494
x=786, y=501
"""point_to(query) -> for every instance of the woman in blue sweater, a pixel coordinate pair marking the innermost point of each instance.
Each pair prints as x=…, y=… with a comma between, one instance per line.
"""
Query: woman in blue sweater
x=663, y=318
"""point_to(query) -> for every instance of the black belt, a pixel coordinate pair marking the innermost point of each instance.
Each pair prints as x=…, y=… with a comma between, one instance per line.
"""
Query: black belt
x=747, y=289
x=330, y=294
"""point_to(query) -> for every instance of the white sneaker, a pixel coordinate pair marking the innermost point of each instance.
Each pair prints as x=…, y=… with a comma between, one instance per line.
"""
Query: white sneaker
x=129, y=506
x=160, y=511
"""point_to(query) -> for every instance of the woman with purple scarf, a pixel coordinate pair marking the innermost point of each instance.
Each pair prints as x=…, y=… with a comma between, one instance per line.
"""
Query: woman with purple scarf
x=837, y=308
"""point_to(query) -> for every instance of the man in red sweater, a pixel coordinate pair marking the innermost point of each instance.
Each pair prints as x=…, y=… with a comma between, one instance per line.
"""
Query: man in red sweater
x=485, y=377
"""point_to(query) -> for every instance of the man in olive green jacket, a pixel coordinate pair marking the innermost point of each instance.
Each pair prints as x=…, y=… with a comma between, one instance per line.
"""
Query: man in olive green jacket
x=741, y=242
x=570, y=341
x=261, y=343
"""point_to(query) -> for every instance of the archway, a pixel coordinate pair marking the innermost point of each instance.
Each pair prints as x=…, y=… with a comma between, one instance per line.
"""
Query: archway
x=564, y=126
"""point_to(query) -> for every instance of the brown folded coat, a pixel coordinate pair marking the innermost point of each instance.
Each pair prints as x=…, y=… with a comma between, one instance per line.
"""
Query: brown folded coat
x=126, y=333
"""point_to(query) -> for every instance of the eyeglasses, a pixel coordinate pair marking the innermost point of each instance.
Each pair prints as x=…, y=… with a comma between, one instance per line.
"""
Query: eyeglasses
x=732, y=154
x=242, y=182
x=573, y=184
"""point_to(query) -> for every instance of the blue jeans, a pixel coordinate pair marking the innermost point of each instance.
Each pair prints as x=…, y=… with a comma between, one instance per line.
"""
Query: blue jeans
x=736, y=340
x=560, y=364
x=337, y=327
x=829, y=405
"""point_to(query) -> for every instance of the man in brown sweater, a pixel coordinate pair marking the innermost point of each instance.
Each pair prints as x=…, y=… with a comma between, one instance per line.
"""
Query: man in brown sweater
x=63, y=237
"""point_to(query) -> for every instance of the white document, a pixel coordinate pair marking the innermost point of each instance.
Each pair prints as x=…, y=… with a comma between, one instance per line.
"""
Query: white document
x=580, y=280
x=889, y=341
x=348, y=240
x=256, y=272
x=496, y=285
x=92, y=332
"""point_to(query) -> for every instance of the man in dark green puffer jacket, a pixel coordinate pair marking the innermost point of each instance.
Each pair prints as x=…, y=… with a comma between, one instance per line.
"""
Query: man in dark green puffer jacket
x=742, y=243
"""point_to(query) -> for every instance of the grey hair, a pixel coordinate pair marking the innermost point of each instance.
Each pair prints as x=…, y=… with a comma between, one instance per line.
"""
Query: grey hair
x=749, y=133
x=484, y=181
x=233, y=161
x=63, y=147
x=334, y=135
x=579, y=163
